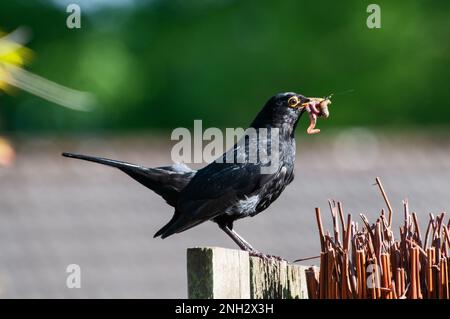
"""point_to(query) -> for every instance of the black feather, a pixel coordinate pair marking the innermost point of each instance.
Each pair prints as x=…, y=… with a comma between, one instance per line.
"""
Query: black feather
x=223, y=192
x=166, y=181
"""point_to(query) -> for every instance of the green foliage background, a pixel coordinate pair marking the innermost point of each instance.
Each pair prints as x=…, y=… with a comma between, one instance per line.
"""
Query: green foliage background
x=161, y=64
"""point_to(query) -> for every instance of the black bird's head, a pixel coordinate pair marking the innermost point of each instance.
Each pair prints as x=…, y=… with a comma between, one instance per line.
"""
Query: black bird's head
x=285, y=109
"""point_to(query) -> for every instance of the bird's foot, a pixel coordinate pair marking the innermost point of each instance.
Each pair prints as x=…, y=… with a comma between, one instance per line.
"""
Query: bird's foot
x=254, y=253
x=277, y=258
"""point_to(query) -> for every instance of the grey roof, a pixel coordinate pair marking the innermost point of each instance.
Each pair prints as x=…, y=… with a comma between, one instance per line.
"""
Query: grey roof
x=56, y=211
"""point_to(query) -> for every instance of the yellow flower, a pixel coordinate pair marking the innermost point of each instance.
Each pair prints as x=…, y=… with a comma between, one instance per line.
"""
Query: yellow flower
x=11, y=53
x=14, y=55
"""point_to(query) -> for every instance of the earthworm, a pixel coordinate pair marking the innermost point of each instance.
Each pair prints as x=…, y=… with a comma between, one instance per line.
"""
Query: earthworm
x=317, y=109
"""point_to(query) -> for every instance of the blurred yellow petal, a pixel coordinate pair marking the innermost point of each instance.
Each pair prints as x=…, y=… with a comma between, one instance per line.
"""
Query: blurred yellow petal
x=7, y=153
x=5, y=81
x=13, y=55
x=18, y=57
x=12, y=49
x=3, y=78
x=46, y=89
x=12, y=52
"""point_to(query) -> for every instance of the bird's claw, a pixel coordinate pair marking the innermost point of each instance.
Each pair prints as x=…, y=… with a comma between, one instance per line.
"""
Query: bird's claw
x=265, y=257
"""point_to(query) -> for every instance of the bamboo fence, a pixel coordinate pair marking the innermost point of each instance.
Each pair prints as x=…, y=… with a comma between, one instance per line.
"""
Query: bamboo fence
x=365, y=261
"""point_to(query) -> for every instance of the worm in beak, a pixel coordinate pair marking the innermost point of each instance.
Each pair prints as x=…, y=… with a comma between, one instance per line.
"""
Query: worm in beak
x=316, y=107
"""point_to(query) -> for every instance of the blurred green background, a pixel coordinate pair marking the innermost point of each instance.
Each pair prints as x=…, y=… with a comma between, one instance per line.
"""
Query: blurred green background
x=161, y=64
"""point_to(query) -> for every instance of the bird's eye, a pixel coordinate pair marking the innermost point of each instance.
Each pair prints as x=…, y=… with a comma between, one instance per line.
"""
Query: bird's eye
x=293, y=101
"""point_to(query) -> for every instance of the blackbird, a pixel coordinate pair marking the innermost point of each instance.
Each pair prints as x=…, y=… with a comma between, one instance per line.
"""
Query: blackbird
x=225, y=191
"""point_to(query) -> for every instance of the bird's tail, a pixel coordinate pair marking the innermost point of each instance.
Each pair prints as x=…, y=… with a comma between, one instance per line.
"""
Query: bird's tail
x=166, y=181
x=100, y=160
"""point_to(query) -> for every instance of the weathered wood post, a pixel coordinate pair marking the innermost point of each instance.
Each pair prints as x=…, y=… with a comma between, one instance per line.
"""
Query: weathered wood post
x=215, y=272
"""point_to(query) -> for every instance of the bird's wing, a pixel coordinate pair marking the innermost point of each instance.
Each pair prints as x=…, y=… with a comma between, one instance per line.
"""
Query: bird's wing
x=212, y=191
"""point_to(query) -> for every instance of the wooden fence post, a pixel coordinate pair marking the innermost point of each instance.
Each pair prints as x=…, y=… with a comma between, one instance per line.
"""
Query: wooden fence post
x=215, y=272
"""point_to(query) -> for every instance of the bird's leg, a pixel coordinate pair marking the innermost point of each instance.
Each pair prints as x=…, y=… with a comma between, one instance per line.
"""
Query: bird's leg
x=243, y=240
x=244, y=245
x=252, y=251
x=237, y=239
